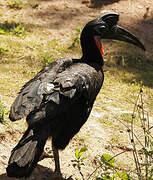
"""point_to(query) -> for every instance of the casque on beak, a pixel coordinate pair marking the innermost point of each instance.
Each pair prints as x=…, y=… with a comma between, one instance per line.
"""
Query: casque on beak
x=118, y=33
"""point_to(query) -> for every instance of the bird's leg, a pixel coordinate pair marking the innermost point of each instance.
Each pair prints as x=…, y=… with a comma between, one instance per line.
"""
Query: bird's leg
x=56, y=159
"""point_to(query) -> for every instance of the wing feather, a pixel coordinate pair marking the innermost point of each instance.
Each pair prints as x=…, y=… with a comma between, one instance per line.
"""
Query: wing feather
x=53, y=90
x=32, y=93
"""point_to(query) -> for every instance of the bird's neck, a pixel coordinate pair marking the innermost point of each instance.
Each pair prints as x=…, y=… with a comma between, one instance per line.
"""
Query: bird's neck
x=91, y=53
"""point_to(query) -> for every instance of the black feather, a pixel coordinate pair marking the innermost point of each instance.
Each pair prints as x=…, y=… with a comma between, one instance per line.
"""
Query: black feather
x=26, y=154
x=56, y=103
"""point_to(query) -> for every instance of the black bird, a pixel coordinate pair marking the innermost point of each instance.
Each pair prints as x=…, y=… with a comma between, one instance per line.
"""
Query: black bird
x=59, y=99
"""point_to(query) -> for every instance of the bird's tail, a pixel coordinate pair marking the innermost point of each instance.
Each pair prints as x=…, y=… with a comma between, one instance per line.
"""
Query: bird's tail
x=26, y=154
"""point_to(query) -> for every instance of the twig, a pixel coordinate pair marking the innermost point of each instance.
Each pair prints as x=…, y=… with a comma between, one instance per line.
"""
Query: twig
x=131, y=136
x=79, y=168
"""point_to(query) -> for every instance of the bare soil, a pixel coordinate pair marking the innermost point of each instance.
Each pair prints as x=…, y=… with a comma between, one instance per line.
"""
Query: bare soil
x=60, y=18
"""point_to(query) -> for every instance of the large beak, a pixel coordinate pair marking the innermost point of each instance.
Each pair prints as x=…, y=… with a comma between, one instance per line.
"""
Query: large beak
x=118, y=33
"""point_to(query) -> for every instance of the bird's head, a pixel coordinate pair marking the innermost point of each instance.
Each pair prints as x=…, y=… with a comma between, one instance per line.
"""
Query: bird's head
x=105, y=27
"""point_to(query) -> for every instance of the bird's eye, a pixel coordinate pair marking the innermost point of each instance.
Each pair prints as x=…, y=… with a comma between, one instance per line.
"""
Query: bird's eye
x=101, y=28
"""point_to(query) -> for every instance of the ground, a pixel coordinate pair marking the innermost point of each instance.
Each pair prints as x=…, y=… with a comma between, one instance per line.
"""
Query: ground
x=57, y=20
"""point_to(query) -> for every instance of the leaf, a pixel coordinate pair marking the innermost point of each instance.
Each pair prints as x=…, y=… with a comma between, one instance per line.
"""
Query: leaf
x=10, y=3
x=2, y=31
x=78, y=29
x=77, y=154
x=19, y=29
x=2, y=50
x=107, y=160
x=84, y=149
x=122, y=175
x=125, y=176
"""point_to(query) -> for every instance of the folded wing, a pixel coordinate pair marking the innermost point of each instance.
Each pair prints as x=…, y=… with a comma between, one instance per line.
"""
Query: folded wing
x=54, y=89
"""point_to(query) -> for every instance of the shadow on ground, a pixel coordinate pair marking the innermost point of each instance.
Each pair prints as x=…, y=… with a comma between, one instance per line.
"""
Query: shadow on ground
x=100, y=3
x=40, y=173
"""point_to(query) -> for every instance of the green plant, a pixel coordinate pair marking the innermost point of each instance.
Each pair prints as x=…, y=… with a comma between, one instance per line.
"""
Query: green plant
x=2, y=31
x=76, y=37
x=78, y=161
x=2, y=50
x=2, y=112
x=17, y=4
x=109, y=170
x=47, y=59
x=19, y=29
x=13, y=28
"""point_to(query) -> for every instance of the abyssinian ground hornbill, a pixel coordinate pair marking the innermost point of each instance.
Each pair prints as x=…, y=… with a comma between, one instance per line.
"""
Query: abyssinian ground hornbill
x=59, y=99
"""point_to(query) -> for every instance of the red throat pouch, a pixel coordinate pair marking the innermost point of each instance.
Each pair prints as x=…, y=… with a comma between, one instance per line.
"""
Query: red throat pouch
x=99, y=44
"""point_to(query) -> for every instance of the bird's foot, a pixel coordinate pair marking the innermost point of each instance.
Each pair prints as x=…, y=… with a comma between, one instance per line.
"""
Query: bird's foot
x=57, y=173
x=59, y=176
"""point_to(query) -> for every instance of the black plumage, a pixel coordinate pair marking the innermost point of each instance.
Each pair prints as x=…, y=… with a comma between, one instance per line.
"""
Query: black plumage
x=59, y=99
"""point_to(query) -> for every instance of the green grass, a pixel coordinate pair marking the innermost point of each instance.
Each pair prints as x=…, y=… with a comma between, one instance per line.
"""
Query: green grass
x=16, y=4
x=20, y=4
x=2, y=112
x=12, y=28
